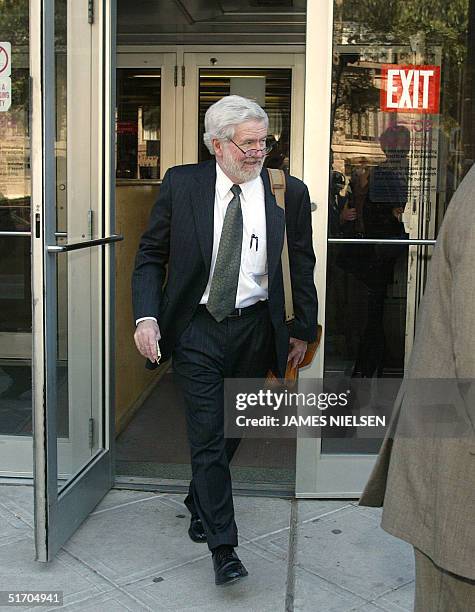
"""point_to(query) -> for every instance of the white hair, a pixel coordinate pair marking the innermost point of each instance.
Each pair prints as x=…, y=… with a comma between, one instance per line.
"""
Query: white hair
x=223, y=116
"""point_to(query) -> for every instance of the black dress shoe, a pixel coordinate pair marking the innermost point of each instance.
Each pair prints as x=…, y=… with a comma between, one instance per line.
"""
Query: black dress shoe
x=227, y=565
x=196, y=530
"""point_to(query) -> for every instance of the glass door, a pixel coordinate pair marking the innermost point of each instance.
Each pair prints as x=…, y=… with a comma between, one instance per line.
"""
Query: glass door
x=274, y=80
x=146, y=116
x=15, y=237
x=72, y=71
x=398, y=141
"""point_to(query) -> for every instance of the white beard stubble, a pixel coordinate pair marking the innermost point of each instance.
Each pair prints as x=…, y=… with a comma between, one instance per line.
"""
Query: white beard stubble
x=234, y=168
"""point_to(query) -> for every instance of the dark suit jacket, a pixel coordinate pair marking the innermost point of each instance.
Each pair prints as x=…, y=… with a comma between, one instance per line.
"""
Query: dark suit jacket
x=174, y=257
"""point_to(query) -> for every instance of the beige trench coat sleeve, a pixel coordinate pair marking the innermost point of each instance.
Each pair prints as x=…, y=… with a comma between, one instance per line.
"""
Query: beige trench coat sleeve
x=427, y=484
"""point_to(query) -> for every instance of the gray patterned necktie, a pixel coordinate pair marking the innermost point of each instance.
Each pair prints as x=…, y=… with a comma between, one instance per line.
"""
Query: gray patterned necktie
x=222, y=293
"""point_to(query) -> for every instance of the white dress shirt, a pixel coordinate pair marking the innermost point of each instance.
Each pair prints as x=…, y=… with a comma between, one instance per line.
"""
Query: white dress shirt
x=252, y=283
x=253, y=278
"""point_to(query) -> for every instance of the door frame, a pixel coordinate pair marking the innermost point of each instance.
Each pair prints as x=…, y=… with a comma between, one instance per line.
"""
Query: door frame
x=331, y=474
x=190, y=58
x=318, y=474
x=194, y=60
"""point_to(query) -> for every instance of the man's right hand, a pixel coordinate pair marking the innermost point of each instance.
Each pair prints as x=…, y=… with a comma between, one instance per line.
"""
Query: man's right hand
x=147, y=333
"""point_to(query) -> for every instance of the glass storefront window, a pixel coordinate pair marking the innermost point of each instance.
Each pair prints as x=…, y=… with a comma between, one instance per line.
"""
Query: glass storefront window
x=271, y=88
x=138, y=124
x=402, y=139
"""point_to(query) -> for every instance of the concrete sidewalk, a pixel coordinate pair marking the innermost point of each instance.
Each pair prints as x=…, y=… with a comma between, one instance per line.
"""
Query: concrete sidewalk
x=133, y=553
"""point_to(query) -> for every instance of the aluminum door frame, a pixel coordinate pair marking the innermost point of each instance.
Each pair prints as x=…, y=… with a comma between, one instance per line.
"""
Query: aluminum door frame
x=57, y=515
x=318, y=474
x=323, y=475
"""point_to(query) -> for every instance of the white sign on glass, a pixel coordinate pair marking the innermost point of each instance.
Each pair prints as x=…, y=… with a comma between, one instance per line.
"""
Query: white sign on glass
x=5, y=94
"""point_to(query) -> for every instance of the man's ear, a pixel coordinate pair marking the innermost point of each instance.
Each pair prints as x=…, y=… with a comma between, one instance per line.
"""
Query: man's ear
x=218, y=148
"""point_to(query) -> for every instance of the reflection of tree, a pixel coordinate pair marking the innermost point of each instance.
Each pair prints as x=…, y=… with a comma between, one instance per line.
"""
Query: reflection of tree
x=468, y=126
x=14, y=29
x=14, y=22
x=448, y=24
x=353, y=89
x=424, y=25
x=443, y=21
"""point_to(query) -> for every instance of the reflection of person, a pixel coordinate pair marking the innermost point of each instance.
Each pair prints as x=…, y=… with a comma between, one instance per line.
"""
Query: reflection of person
x=352, y=214
x=388, y=185
x=338, y=203
x=218, y=231
x=379, y=196
x=380, y=193
x=427, y=485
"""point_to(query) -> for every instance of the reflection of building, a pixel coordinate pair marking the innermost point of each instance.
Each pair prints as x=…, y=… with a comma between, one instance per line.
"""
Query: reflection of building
x=359, y=121
x=408, y=176
x=14, y=159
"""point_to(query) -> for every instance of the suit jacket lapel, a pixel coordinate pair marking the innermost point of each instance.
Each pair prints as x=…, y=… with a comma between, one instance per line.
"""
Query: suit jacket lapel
x=275, y=223
x=202, y=200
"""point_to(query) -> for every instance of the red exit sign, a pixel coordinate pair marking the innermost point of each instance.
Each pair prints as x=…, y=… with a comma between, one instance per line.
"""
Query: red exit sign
x=410, y=89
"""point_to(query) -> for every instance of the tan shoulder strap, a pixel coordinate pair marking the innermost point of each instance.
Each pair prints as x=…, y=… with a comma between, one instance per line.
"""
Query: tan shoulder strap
x=277, y=183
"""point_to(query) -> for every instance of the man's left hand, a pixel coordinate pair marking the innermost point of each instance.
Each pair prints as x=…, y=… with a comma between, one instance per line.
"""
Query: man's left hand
x=297, y=349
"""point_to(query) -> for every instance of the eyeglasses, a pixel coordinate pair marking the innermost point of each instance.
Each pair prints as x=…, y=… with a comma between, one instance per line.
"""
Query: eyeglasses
x=253, y=152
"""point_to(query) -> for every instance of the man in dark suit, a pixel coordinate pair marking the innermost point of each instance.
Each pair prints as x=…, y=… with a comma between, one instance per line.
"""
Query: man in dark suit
x=208, y=285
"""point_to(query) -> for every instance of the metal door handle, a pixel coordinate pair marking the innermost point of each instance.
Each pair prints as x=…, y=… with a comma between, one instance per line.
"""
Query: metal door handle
x=75, y=246
x=406, y=241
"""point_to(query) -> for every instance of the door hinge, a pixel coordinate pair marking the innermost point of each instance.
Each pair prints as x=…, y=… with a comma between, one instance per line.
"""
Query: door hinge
x=90, y=11
x=183, y=76
x=176, y=76
x=91, y=432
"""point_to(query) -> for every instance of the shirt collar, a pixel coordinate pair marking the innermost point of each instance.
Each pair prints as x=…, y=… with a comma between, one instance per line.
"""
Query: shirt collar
x=224, y=184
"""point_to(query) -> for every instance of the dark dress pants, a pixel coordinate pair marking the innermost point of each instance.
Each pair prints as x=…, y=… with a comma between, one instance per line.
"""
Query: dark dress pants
x=207, y=353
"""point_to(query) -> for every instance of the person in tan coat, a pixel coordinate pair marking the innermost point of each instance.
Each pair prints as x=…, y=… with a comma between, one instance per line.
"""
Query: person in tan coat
x=425, y=480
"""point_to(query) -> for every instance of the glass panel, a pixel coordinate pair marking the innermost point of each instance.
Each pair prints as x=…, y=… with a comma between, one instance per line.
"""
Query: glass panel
x=402, y=140
x=15, y=191
x=77, y=378
x=138, y=124
x=271, y=88
x=60, y=149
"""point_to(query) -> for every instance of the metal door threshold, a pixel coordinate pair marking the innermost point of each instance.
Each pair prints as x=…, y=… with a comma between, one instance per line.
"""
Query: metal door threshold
x=162, y=485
